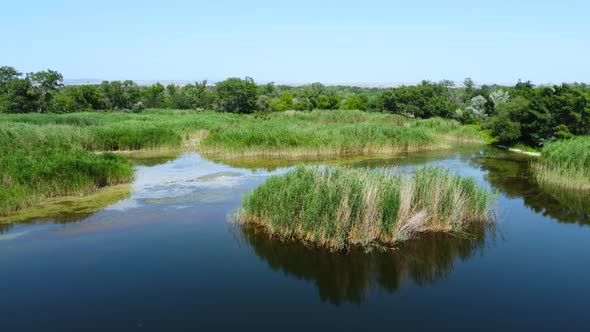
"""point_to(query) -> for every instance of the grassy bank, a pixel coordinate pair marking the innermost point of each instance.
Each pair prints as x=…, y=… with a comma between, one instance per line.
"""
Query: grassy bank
x=565, y=164
x=341, y=207
x=35, y=167
x=48, y=155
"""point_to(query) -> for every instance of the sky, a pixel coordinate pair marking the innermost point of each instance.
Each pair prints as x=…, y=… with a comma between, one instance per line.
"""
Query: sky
x=349, y=42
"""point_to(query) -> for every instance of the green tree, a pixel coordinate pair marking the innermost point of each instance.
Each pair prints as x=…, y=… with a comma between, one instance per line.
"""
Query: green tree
x=153, y=96
x=237, y=95
x=46, y=85
x=388, y=100
x=198, y=96
x=505, y=125
x=76, y=99
x=356, y=102
x=469, y=87
x=120, y=95
x=18, y=96
x=7, y=74
x=263, y=103
x=556, y=112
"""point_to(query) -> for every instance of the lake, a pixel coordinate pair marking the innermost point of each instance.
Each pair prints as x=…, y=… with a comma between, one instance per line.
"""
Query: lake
x=163, y=255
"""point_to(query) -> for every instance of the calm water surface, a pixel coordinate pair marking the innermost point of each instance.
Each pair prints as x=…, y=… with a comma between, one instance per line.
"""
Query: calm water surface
x=166, y=258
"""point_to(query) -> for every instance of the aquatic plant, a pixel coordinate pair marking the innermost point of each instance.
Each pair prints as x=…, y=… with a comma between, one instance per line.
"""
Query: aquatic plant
x=341, y=207
x=47, y=155
x=565, y=163
x=39, y=162
x=273, y=138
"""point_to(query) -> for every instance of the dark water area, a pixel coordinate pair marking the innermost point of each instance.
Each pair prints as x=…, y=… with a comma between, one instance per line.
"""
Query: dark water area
x=165, y=257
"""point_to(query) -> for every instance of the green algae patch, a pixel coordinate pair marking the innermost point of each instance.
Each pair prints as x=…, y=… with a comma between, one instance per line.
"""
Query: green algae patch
x=71, y=208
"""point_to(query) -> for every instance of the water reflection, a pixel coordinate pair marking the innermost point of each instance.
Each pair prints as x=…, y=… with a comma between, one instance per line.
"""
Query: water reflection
x=176, y=177
x=152, y=157
x=512, y=176
x=363, y=160
x=67, y=209
x=348, y=277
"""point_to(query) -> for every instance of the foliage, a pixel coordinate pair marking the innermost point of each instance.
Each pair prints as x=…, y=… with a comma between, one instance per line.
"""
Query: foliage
x=237, y=95
x=506, y=125
x=356, y=102
x=498, y=98
x=423, y=101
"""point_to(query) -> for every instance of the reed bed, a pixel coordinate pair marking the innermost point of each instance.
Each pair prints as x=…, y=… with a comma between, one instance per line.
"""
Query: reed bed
x=341, y=117
x=452, y=130
x=287, y=133
x=279, y=138
x=32, y=174
x=341, y=207
x=115, y=131
x=47, y=155
x=565, y=164
x=300, y=134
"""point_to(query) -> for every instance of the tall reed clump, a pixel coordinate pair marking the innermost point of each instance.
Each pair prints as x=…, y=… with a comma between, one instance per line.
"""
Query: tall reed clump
x=341, y=207
x=565, y=163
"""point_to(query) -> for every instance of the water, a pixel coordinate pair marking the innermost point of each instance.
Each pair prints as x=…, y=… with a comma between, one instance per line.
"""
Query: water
x=165, y=257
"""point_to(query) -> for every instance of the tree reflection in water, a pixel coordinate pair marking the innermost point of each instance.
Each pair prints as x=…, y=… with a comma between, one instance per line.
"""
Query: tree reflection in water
x=512, y=176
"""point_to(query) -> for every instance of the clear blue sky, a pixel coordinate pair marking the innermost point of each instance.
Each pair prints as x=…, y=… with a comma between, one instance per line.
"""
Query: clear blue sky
x=301, y=41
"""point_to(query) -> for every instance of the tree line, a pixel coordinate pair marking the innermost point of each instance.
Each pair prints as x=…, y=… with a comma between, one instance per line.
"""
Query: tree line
x=523, y=113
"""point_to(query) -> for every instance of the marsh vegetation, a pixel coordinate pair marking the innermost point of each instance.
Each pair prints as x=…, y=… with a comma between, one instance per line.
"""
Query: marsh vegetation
x=340, y=207
x=565, y=164
x=50, y=148
x=48, y=155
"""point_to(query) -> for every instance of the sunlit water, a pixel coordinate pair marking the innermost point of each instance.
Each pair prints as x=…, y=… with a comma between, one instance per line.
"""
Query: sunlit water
x=165, y=257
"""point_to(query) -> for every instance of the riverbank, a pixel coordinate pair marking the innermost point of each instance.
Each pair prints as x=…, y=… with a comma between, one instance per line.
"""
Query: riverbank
x=565, y=164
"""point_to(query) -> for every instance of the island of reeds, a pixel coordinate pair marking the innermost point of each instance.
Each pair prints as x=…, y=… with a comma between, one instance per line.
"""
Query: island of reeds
x=565, y=164
x=337, y=207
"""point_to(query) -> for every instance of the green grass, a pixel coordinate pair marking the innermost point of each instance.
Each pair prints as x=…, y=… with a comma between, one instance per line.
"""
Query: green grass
x=452, y=130
x=47, y=155
x=335, y=133
x=341, y=117
x=289, y=133
x=297, y=138
x=115, y=131
x=565, y=164
x=30, y=174
x=341, y=207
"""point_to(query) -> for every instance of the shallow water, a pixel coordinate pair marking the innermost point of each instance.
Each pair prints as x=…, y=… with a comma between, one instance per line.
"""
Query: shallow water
x=165, y=257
